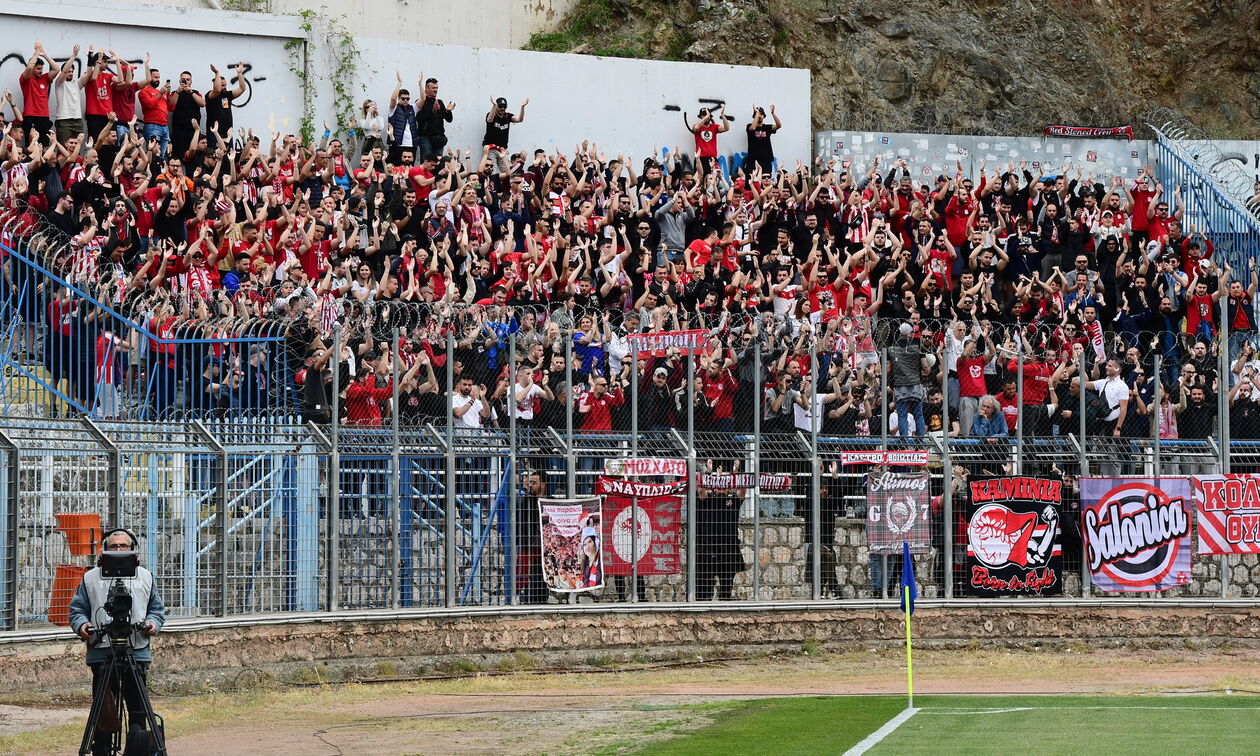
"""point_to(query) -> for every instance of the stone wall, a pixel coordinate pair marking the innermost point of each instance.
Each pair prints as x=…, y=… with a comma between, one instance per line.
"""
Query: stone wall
x=195, y=657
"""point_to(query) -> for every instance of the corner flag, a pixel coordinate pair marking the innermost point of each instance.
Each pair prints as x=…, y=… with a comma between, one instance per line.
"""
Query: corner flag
x=909, y=591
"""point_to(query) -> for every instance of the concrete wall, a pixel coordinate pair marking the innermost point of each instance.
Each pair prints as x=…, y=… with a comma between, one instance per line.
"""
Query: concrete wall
x=273, y=100
x=484, y=23
x=620, y=104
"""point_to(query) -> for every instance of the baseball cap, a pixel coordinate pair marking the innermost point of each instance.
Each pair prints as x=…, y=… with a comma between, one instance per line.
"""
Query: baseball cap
x=501, y=102
x=660, y=371
x=906, y=328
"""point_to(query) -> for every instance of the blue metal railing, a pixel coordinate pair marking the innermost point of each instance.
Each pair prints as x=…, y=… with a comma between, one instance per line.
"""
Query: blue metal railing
x=1206, y=205
x=72, y=347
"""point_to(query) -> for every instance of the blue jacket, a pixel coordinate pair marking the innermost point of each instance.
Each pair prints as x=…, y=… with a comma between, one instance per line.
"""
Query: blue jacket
x=989, y=427
x=88, y=606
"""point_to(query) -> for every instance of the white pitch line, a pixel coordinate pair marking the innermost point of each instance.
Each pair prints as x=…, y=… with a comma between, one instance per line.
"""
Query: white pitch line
x=874, y=738
x=1086, y=708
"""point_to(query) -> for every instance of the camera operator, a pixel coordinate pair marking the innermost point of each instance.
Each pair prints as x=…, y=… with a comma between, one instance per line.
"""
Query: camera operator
x=88, y=614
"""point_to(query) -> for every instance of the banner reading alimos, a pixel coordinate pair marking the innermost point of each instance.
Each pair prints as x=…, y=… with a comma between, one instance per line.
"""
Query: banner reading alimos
x=572, y=544
x=1013, y=536
x=898, y=510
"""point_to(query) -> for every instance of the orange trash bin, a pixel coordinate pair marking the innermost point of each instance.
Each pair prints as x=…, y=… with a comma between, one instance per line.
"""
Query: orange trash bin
x=65, y=583
x=83, y=532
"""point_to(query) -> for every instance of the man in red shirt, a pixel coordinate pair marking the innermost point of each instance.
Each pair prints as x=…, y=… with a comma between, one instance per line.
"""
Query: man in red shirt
x=124, y=98
x=718, y=386
x=705, y=131
x=154, y=108
x=1008, y=402
x=99, y=88
x=700, y=251
x=34, y=82
x=971, y=385
x=595, y=408
x=1037, y=374
x=364, y=397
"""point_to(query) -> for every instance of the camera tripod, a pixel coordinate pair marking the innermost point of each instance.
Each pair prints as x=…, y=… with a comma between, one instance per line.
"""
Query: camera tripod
x=120, y=664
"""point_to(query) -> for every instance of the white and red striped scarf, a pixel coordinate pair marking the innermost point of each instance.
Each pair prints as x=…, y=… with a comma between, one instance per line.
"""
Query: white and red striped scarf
x=1095, y=333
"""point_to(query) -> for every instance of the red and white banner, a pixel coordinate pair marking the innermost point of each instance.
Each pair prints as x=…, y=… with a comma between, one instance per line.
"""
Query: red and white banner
x=643, y=490
x=1228, y=513
x=659, y=343
x=884, y=457
x=572, y=544
x=1090, y=132
x=646, y=533
x=764, y=481
x=637, y=466
x=1136, y=532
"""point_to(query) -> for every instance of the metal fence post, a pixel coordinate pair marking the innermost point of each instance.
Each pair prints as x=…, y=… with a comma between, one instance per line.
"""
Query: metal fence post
x=395, y=480
x=1084, y=461
x=513, y=473
x=448, y=526
x=883, y=437
x=815, y=483
x=947, y=489
x=1224, y=383
x=9, y=536
x=333, y=557
x=570, y=461
x=220, y=513
x=1019, y=414
x=114, y=481
x=1156, y=398
x=634, y=452
x=691, y=478
x=756, y=466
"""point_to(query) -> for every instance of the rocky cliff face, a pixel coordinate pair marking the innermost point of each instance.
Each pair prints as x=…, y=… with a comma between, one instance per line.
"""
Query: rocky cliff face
x=961, y=66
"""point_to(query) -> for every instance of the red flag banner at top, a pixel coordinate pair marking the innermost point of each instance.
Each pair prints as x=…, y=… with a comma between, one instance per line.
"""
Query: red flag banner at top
x=1090, y=131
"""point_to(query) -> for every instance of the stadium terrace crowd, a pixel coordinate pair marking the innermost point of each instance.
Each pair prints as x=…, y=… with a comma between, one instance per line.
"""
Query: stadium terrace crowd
x=166, y=212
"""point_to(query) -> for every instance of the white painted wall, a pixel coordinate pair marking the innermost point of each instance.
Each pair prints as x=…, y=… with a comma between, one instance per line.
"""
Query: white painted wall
x=482, y=23
x=617, y=102
x=273, y=100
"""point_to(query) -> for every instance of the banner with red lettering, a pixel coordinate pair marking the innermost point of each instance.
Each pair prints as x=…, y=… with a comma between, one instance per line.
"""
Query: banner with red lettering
x=884, y=457
x=1228, y=513
x=659, y=343
x=1090, y=132
x=642, y=490
x=572, y=544
x=1013, y=536
x=764, y=481
x=647, y=533
x=898, y=509
x=1136, y=532
x=645, y=466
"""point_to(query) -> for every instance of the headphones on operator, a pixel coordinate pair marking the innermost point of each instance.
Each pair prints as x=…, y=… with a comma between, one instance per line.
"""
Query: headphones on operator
x=105, y=537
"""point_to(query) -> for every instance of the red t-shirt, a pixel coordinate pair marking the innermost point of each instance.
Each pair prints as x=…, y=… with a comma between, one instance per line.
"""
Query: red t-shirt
x=363, y=401
x=1199, y=309
x=599, y=418
x=719, y=392
x=1036, y=380
x=701, y=252
x=971, y=376
x=706, y=140
x=1010, y=409
x=1141, y=199
x=153, y=106
x=100, y=95
x=35, y=95
x=956, y=215
x=422, y=192
x=125, y=102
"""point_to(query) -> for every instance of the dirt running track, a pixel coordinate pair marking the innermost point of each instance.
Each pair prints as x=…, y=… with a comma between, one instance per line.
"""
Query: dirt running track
x=578, y=713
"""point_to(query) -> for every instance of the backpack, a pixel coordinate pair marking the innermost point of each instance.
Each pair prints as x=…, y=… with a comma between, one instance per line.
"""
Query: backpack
x=1097, y=408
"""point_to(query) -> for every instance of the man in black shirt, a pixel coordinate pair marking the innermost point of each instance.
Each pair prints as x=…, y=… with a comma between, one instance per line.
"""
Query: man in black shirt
x=185, y=104
x=760, y=151
x=530, y=586
x=219, y=105
x=498, y=122
x=431, y=118
x=1195, y=415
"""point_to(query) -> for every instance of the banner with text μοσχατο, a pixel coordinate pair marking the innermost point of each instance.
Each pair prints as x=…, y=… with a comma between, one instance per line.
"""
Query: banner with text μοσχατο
x=1013, y=536
x=898, y=509
x=572, y=544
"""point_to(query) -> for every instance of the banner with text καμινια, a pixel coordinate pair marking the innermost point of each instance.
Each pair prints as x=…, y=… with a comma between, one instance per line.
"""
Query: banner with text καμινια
x=1013, y=536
